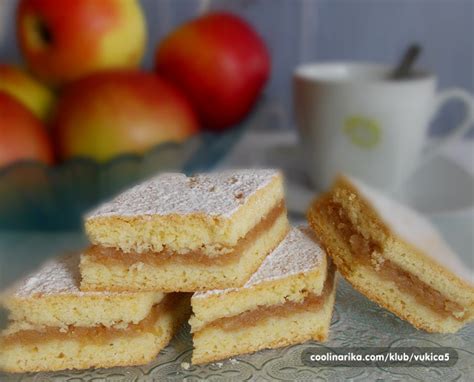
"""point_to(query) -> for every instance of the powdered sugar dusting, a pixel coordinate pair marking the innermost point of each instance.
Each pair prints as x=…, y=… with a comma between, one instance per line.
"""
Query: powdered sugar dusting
x=215, y=194
x=413, y=228
x=57, y=276
x=298, y=253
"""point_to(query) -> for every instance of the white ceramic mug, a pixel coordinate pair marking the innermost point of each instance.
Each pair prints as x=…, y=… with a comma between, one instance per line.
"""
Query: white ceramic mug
x=352, y=118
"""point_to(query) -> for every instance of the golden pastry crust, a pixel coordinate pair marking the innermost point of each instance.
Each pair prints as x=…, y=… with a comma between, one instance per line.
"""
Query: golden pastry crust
x=346, y=209
x=51, y=296
x=288, y=300
x=214, y=343
x=296, y=268
x=22, y=351
x=206, y=212
x=174, y=276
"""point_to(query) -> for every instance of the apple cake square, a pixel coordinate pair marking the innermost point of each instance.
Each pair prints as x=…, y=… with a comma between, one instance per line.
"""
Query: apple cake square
x=179, y=233
x=394, y=256
x=288, y=300
x=55, y=326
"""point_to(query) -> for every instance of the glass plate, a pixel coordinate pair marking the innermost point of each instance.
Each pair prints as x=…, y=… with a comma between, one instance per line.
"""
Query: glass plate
x=356, y=322
x=37, y=197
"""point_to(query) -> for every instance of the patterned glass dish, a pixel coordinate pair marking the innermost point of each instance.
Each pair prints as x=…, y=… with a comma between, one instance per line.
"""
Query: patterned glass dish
x=37, y=197
x=356, y=322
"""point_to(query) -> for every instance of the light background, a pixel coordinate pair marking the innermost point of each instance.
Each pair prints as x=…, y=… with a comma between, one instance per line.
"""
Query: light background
x=307, y=30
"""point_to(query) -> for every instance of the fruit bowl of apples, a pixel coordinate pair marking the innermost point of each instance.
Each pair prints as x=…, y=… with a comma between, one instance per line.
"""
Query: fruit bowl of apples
x=83, y=121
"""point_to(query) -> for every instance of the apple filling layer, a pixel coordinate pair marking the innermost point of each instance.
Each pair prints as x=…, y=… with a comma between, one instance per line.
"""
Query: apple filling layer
x=109, y=255
x=311, y=303
x=97, y=334
x=368, y=253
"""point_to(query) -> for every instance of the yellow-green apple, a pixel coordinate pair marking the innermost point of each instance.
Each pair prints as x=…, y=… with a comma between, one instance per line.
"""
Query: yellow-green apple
x=108, y=113
x=26, y=90
x=220, y=62
x=22, y=135
x=64, y=40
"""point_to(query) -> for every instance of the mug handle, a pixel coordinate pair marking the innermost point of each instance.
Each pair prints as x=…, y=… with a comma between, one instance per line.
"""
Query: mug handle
x=456, y=133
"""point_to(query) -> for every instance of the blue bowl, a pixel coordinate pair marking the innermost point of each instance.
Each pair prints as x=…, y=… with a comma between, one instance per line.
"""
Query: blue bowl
x=38, y=197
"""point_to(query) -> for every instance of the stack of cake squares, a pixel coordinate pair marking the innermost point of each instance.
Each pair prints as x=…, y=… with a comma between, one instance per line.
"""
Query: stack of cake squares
x=54, y=325
x=225, y=237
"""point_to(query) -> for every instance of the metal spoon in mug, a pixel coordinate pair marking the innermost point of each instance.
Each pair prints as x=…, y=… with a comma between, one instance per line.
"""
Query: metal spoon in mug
x=405, y=66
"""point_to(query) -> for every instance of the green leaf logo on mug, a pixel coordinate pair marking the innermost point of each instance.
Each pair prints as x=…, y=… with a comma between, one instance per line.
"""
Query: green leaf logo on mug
x=363, y=132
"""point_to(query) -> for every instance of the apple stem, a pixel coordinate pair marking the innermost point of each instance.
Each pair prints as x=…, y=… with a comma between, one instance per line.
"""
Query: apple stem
x=44, y=32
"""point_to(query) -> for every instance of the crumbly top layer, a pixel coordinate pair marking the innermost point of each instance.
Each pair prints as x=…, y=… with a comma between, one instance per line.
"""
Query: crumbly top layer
x=57, y=276
x=215, y=194
x=298, y=253
x=413, y=228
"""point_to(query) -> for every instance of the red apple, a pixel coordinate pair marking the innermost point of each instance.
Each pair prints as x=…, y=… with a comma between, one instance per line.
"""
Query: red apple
x=26, y=90
x=109, y=113
x=64, y=40
x=221, y=64
x=22, y=136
